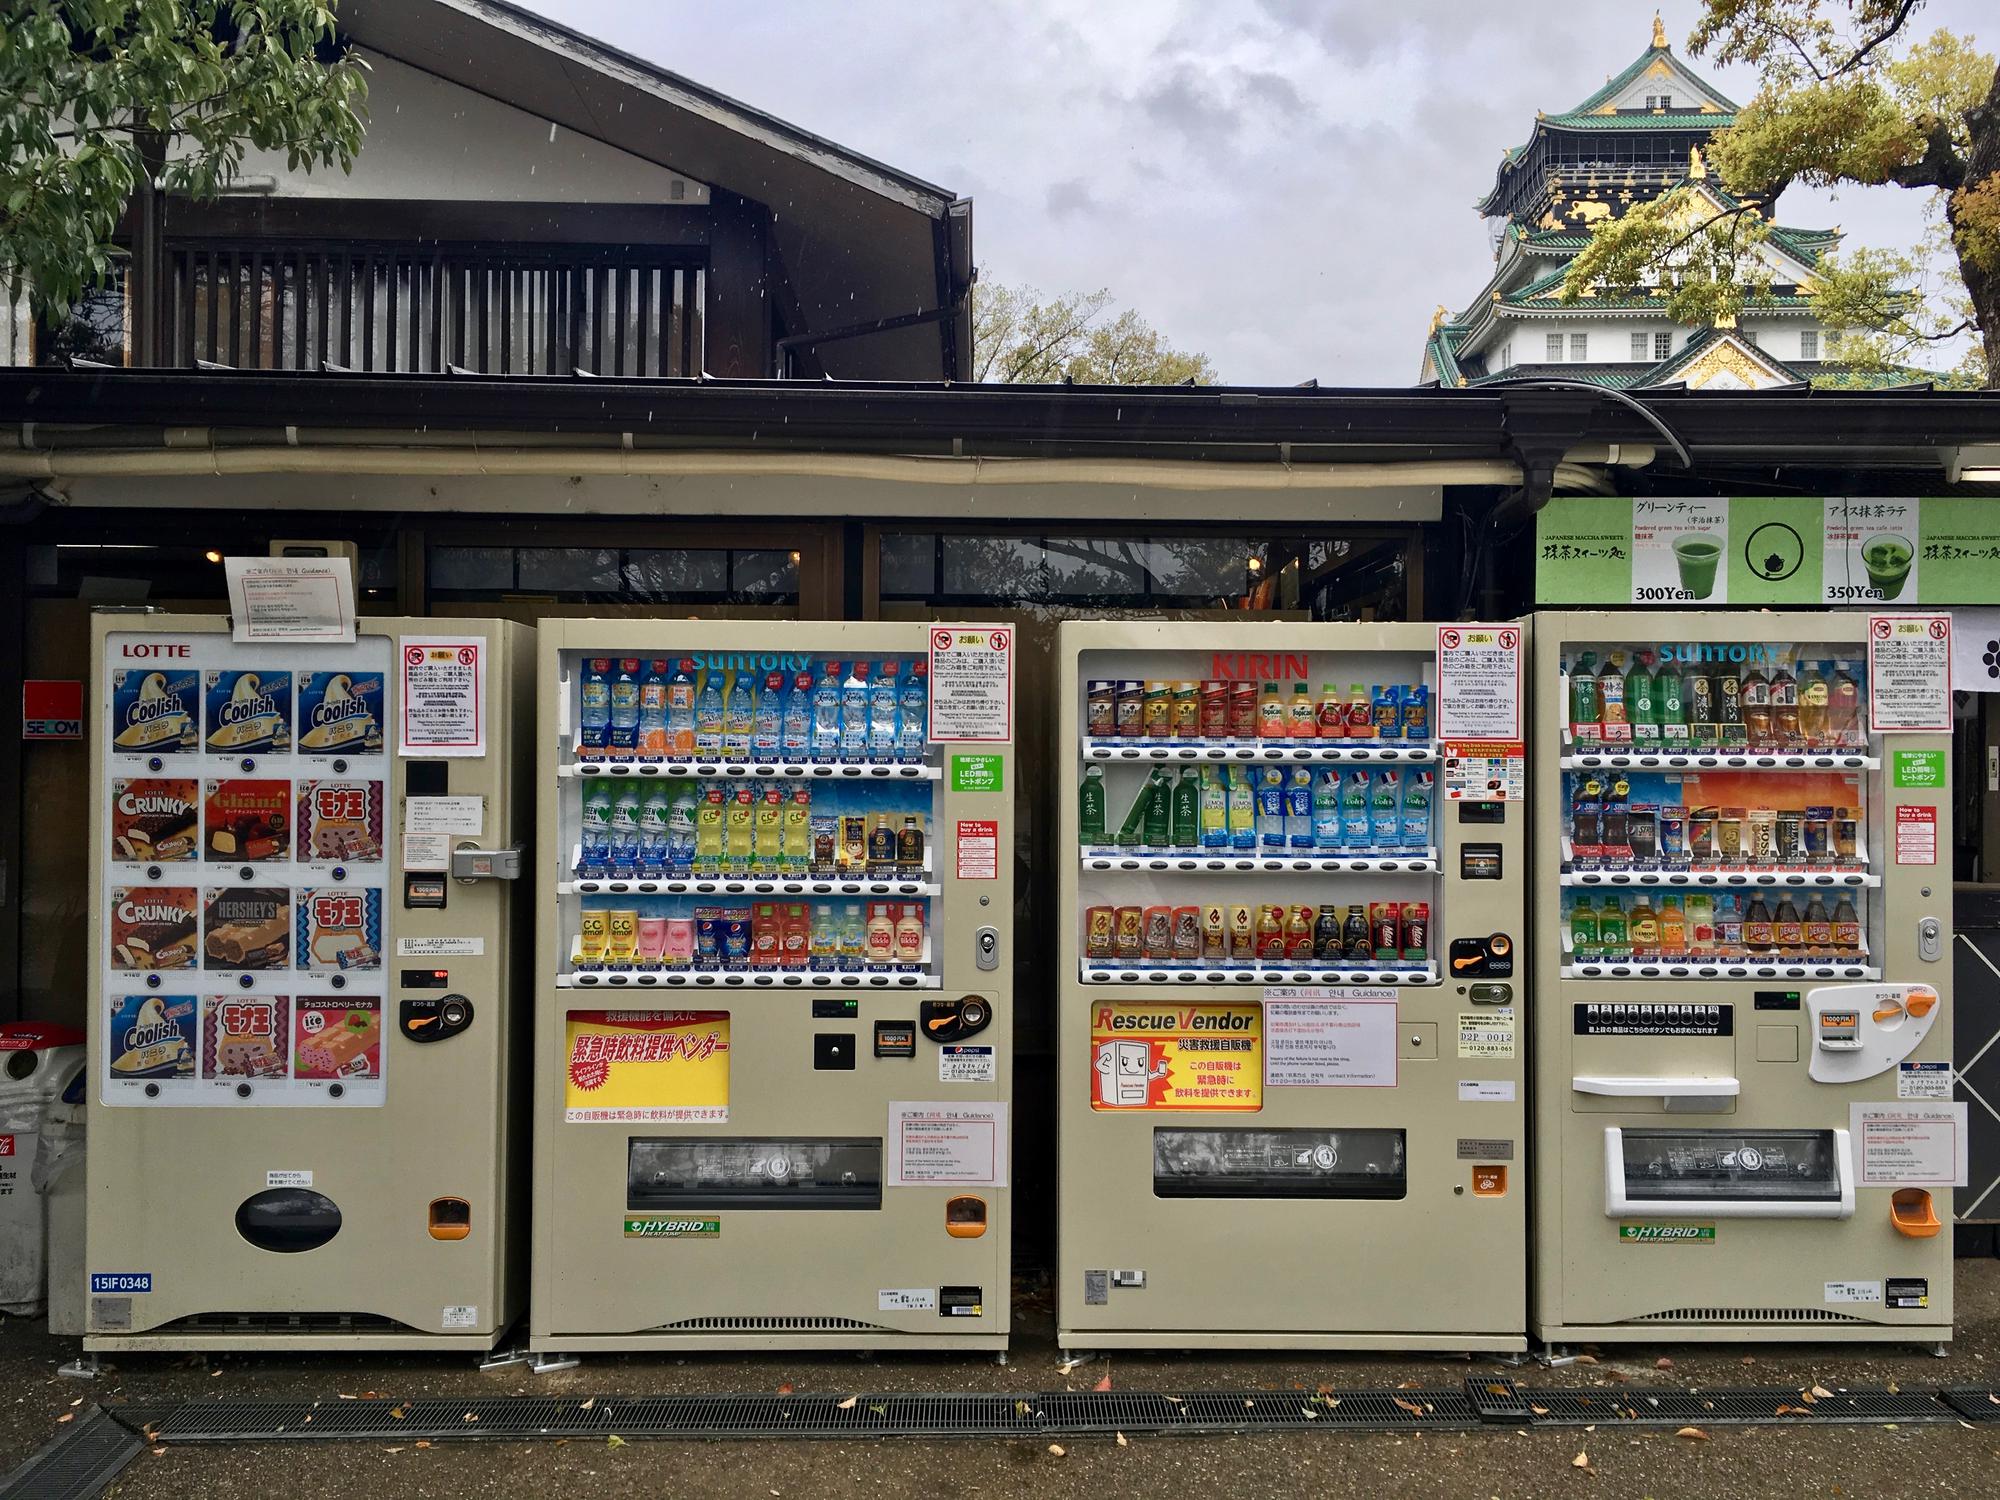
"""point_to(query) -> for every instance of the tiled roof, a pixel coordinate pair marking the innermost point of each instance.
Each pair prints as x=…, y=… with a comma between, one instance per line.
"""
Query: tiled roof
x=1650, y=120
x=1616, y=85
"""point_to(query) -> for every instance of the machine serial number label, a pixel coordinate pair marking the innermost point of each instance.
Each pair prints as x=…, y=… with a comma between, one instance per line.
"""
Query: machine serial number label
x=673, y=1229
x=121, y=1281
x=1660, y=1019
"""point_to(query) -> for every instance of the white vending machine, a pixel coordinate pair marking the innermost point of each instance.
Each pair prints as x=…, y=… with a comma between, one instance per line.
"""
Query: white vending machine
x=306, y=1014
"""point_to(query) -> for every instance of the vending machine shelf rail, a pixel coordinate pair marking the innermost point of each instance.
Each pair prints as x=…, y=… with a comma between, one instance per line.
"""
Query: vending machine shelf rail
x=1190, y=974
x=1720, y=971
x=1721, y=760
x=1357, y=752
x=1415, y=861
x=1746, y=877
x=673, y=979
x=724, y=885
x=752, y=770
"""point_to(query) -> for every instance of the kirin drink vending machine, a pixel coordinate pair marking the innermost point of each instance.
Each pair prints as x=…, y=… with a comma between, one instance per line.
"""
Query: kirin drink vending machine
x=305, y=986
x=773, y=1033
x=1292, y=1099
x=1742, y=987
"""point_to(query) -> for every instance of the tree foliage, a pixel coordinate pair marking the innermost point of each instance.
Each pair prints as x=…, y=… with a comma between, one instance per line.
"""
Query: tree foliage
x=1021, y=338
x=101, y=98
x=1848, y=94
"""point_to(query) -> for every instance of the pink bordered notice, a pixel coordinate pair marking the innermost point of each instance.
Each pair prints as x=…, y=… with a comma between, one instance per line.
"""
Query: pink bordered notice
x=1478, y=682
x=1909, y=674
x=971, y=684
x=442, y=707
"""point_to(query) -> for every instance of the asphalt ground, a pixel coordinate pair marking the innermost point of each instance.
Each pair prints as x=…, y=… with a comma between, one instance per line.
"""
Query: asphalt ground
x=1877, y=1461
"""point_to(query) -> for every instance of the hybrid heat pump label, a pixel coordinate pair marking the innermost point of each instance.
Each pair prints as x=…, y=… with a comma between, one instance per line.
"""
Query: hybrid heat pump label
x=654, y=1067
x=1162, y=1055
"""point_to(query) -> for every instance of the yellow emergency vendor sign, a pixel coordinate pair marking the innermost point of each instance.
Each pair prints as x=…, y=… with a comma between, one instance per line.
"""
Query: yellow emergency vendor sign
x=1162, y=1055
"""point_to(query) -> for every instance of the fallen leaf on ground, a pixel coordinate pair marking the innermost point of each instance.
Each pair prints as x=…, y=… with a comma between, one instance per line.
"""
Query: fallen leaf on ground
x=471, y=1416
x=1893, y=1389
x=1175, y=1399
x=159, y=1450
x=392, y=1450
x=1308, y=1411
x=1540, y=1411
x=345, y=1397
x=1586, y=1359
x=614, y=1441
x=847, y=1405
x=785, y=1389
x=77, y=1402
x=586, y=1405
x=1412, y=1407
x=399, y=1412
x=1793, y=1411
x=1104, y=1384
x=1057, y=1449
x=423, y=1442
x=1021, y=1408
x=1407, y=1385
x=1820, y=1390
x=1582, y=1461
x=878, y=1408
x=1693, y=1432
x=1663, y=1363
x=1121, y=1441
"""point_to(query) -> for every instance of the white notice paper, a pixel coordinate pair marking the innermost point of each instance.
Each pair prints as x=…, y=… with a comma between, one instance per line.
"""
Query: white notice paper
x=947, y=1145
x=1908, y=1145
x=444, y=697
x=291, y=599
x=427, y=852
x=972, y=683
x=463, y=816
x=1479, y=682
x=1485, y=1091
x=1329, y=1035
x=441, y=947
x=1909, y=673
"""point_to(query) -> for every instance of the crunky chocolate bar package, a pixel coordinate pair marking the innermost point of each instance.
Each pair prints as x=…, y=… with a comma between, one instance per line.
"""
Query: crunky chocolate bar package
x=153, y=820
x=153, y=927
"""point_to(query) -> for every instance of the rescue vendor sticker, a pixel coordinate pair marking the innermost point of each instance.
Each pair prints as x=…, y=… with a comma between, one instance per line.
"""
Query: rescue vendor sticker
x=1172, y=1056
x=644, y=1066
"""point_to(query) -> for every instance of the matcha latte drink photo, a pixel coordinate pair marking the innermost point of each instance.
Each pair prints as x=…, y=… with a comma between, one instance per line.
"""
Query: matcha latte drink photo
x=1887, y=559
x=1696, y=557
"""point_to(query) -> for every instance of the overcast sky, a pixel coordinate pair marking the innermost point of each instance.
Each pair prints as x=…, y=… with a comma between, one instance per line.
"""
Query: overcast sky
x=1286, y=185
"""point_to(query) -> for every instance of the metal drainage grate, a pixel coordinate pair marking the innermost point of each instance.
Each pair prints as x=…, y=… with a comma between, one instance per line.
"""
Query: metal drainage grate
x=1972, y=1404
x=77, y=1465
x=1566, y=1406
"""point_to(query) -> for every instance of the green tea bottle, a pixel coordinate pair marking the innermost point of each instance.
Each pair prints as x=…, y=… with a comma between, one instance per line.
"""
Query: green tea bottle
x=1611, y=933
x=1090, y=806
x=1158, y=821
x=1642, y=709
x=1187, y=810
x=1132, y=831
x=1673, y=716
x=1582, y=927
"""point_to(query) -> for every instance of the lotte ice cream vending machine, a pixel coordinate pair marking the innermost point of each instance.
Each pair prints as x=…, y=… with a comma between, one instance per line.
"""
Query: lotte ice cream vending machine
x=305, y=986
x=1291, y=1066
x=774, y=1020
x=1745, y=1128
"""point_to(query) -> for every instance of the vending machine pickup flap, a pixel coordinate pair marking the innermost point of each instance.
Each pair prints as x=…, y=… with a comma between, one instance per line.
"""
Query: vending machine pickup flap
x=1658, y=1088
x=1727, y=1173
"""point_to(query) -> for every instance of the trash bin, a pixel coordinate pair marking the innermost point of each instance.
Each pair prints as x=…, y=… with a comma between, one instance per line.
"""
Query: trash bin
x=38, y=1062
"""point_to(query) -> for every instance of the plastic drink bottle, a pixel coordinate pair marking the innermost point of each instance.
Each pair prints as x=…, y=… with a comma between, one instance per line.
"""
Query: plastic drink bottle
x=1611, y=703
x=854, y=713
x=1331, y=714
x=1271, y=721
x=767, y=845
x=595, y=857
x=594, y=707
x=882, y=707
x=655, y=819
x=1641, y=710
x=1419, y=787
x=1187, y=810
x=625, y=707
x=680, y=710
x=1360, y=714
x=1214, y=808
x=826, y=713
x=708, y=834
x=1670, y=708
x=1241, y=798
x=913, y=712
x=1326, y=809
x=739, y=820
x=708, y=714
x=680, y=830
x=1582, y=927
x=1386, y=809
x=653, y=711
x=1299, y=808
x=767, y=734
x=1271, y=809
x=1090, y=806
x=739, y=718
x=625, y=831
x=1357, y=829
x=1304, y=714
x=795, y=739
x=1586, y=724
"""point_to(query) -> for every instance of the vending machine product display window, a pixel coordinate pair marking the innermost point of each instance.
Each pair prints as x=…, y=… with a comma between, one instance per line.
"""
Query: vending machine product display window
x=1288, y=980
x=1739, y=964
x=776, y=859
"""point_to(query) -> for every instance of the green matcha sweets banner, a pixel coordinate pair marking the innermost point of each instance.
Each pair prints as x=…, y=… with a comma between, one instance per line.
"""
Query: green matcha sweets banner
x=1759, y=550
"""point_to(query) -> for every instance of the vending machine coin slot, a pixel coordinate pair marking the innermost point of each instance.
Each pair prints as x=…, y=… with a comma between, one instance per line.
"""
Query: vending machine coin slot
x=951, y=1020
x=433, y=1018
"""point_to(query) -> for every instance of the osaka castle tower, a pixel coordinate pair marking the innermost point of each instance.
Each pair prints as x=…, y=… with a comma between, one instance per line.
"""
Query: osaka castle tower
x=1637, y=138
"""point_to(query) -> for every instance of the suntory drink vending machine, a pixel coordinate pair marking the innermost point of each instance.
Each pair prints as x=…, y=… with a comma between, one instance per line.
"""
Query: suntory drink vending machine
x=1742, y=986
x=773, y=1049
x=305, y=987
x=1291, y=1064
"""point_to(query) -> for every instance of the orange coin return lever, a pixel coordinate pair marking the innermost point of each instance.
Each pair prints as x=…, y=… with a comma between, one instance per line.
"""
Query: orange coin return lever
x=965, y=1217
x=1913, y=1213
x=451, y=1218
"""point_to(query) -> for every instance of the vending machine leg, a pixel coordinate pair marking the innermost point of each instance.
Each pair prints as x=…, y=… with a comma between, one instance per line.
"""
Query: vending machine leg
x=83, y=1367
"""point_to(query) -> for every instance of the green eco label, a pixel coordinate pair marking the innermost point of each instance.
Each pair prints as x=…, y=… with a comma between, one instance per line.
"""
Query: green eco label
x=1666, y=1234
x=977, y=773
x=1918, y=768
x=672, y=1229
